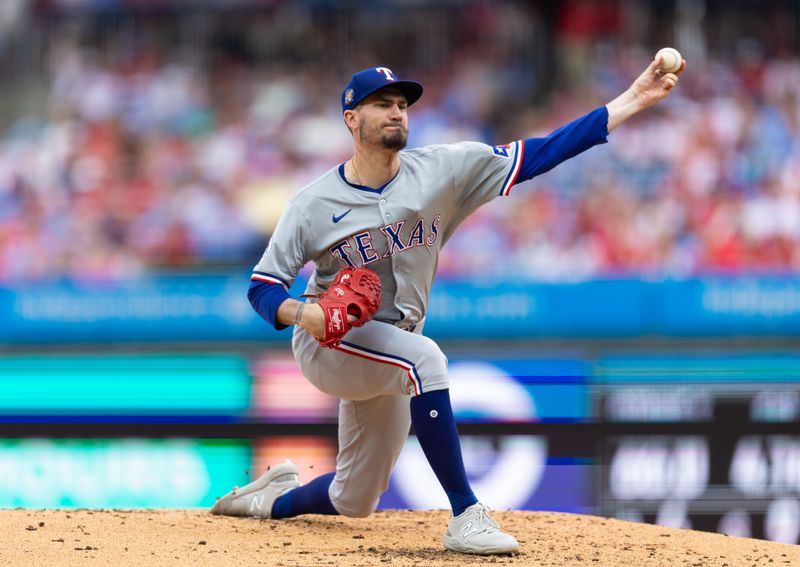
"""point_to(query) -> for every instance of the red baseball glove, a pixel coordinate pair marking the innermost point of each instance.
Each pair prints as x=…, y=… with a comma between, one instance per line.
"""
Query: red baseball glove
x=355, y=291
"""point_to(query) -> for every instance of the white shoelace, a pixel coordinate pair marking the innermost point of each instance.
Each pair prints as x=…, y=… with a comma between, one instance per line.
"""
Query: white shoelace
x=484, y=518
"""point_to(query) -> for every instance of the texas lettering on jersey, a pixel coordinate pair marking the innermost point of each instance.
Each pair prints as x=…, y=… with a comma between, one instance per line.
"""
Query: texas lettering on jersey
x=360, y=245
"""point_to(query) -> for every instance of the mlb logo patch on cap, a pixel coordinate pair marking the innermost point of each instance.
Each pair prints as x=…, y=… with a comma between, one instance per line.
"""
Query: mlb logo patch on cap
x=366, y=82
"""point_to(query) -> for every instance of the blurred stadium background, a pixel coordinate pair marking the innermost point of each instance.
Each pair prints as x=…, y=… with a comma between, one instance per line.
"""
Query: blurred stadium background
x=623, y=331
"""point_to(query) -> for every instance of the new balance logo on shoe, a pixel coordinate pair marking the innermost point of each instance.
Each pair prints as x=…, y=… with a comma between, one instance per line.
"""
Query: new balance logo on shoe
x=467, y=530
x=256, y=502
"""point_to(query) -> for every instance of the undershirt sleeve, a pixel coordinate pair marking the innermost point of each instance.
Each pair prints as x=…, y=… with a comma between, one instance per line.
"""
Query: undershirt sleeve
x=265, y=298
x=543, y=154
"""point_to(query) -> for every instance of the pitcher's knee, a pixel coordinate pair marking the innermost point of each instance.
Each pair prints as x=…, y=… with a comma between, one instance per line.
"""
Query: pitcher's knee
x=359, y=497
x=354, y=508
x=431, y=367
x=431, y=361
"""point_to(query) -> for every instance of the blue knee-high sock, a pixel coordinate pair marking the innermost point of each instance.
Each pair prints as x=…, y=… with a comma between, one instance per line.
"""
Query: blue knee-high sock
x=311, y=498
x=435, y=427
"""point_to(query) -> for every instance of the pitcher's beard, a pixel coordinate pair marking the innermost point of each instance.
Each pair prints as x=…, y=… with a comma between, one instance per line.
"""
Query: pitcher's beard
x=396, y=141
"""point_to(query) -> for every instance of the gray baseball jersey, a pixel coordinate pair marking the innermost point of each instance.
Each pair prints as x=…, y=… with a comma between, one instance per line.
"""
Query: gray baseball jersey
x=397, y=231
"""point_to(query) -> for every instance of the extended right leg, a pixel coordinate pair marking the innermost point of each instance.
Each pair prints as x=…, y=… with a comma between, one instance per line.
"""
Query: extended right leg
x=371, y=435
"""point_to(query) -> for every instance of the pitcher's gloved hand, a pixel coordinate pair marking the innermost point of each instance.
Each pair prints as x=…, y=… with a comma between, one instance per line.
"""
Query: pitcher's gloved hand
x=356, y=292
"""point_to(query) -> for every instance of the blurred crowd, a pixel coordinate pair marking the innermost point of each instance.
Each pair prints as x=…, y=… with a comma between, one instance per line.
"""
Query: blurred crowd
x=157, y=159
x=707, y=183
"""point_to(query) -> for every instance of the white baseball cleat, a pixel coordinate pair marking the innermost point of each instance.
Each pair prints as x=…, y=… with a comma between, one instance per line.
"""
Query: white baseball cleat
x=473, y=531
x=256, y=499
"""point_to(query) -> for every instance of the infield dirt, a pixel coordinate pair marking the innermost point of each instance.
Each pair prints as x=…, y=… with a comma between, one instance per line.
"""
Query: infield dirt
x=122, y=538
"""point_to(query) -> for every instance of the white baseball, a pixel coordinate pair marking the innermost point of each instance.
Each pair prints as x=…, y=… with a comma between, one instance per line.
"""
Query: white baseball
x=670, y=59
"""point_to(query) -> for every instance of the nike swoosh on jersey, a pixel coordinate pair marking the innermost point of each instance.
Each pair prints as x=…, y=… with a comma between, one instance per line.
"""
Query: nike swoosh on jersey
x=336, y=219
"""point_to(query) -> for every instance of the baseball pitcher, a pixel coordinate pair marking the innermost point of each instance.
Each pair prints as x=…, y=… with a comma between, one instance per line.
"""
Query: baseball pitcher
x=374, y=227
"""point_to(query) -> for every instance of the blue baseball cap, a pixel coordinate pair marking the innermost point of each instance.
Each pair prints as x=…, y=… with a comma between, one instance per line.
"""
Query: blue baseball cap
x=366, y=82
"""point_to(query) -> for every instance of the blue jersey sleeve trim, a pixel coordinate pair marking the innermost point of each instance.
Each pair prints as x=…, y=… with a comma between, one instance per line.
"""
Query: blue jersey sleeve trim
x=266, y=297
x=543, y=154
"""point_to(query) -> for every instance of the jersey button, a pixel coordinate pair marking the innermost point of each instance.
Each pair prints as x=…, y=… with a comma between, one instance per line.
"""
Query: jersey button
x=388, y=216
x=383, y=201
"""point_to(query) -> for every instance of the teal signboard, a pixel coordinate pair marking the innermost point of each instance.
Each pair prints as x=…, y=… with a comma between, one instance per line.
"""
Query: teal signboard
x=118, y=473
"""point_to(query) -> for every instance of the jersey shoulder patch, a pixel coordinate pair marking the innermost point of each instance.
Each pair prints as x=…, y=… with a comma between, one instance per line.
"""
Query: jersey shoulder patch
x=502, y=150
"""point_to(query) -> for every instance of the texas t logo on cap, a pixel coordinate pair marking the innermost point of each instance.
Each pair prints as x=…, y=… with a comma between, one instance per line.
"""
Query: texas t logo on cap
x=388, y=72
x=366, y=82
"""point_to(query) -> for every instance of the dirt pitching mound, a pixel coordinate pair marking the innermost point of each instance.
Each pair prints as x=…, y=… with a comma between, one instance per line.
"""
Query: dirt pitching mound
x=195, y=538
